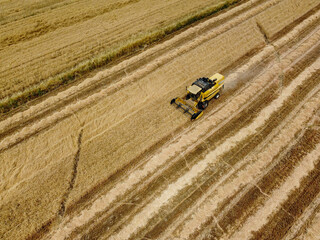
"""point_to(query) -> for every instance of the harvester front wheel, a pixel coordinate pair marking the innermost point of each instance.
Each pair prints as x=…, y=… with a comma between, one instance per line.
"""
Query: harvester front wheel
x=203, y=105
x=217, y=96
x=196, y=115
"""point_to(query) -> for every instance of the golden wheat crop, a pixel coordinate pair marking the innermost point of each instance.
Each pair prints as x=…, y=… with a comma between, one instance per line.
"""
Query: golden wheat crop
x=76, y=43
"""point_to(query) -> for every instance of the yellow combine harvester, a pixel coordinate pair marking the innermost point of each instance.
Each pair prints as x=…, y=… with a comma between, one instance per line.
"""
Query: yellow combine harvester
x=199, y=94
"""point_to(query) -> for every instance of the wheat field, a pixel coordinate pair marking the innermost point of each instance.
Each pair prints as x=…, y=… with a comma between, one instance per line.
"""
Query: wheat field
x=45, y=45
x=117, y=161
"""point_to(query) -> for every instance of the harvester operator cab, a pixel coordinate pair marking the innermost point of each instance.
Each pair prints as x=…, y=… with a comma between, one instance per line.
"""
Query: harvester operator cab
x=212, y=82
x=201, y=85
x=194, y=92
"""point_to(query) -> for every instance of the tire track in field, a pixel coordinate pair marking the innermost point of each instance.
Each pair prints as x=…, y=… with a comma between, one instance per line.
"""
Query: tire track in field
x=141, y=219
x=137, y=74
x=132, y=180
x=62, y=209
x=218, y=223
x=216, y=205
